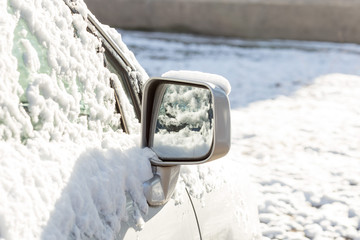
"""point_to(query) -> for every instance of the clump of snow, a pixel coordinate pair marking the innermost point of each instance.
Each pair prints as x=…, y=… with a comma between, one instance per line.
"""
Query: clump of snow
x=200, y=76
x=65, y=164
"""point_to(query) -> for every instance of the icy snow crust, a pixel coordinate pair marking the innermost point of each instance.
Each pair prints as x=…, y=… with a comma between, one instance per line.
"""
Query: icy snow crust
x=295, y=124
x=64, y=163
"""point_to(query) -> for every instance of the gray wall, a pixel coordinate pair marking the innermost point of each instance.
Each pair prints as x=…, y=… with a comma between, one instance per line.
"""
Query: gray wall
x=319, y=20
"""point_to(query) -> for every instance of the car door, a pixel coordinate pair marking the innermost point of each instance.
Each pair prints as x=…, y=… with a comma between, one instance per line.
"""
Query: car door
x=170, y=221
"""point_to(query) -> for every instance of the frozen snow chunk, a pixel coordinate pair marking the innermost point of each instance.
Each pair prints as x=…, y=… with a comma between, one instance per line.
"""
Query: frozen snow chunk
x=312, y=230
x=267, y=218
x=354, y=213
x=273, y=232
x=353, y=181
x=296, y=226
x=200, y=76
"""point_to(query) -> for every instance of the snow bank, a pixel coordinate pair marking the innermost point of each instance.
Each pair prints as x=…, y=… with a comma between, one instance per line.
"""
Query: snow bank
x=306, y=159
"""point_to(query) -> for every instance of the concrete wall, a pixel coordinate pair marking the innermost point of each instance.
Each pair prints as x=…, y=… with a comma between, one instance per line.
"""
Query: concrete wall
x=319, y=20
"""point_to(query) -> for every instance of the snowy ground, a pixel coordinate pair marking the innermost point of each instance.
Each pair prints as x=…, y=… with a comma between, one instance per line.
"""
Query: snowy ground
x=295, y=124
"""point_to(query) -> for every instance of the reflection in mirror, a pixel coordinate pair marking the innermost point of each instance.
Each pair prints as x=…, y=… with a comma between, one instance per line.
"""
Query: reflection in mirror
x=184, y=125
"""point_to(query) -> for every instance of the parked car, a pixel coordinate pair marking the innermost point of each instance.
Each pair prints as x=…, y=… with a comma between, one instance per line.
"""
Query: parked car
x=66, y=116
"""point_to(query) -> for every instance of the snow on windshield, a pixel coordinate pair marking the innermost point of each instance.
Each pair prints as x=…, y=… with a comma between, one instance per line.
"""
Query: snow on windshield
x=64, y=163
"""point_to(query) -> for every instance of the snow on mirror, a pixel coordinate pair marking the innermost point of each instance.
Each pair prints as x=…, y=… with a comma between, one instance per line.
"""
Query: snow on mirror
x=184, y=125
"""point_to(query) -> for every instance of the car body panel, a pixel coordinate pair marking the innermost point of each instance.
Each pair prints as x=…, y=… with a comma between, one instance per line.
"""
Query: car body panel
x=173, y=220
x=223, y=213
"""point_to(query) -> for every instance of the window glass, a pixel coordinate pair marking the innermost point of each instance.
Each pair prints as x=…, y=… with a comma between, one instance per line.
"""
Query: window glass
x=33, y=60
x=25, y=47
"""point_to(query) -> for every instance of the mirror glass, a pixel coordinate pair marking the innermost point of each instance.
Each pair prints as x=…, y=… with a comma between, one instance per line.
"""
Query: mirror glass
x=184, y=122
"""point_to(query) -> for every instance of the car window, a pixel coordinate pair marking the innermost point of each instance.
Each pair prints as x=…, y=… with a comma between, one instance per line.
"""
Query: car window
x=33, y=58
x=25, y=46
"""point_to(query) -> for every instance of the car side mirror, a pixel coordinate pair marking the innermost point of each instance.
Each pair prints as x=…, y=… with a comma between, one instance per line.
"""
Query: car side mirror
x=184, y=121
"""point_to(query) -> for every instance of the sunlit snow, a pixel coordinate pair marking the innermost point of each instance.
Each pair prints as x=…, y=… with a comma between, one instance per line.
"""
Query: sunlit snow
x=67, y=169
x=295, y=124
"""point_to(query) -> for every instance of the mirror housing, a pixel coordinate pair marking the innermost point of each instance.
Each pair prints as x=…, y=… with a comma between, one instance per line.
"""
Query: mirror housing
x=161, y=186
x=221, y=119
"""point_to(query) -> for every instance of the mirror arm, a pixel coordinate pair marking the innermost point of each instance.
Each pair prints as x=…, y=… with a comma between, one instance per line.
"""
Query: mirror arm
x=161, y=186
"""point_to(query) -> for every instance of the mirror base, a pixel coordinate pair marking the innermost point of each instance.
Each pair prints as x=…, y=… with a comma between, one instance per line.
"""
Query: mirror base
x=161, y=186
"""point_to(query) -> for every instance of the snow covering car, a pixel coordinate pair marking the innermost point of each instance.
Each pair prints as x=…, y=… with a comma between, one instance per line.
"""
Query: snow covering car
x=72, y=111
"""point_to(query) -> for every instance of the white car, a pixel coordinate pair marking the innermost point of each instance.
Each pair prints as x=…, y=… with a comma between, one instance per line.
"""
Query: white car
x=74, y=106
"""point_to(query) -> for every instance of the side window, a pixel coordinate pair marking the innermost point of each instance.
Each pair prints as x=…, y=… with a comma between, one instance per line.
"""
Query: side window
x=31, y=56
x=55, y=86
x=36, y=57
